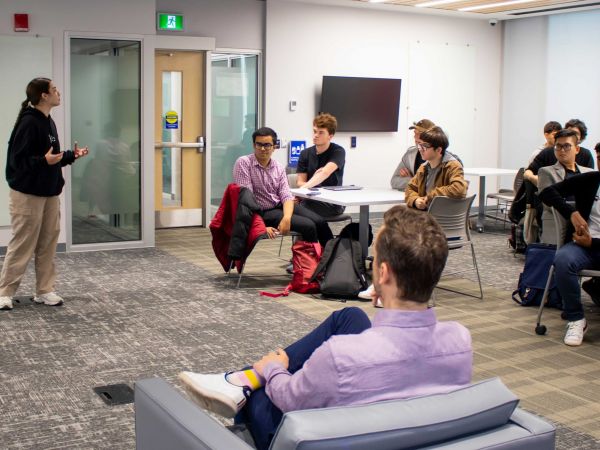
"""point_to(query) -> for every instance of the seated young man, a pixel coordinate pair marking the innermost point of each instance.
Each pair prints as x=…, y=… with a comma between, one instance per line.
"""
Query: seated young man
x=411, y=160
x=566, y=149
x=268, y=182
x=583, y=250
x=347, y=360
x=322, y=165
x=441, y=174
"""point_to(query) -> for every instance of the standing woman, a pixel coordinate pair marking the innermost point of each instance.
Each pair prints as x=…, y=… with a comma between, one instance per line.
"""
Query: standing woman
x=33, y=172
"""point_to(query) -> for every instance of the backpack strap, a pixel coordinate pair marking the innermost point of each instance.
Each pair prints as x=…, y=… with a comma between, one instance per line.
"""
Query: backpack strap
x=283, y=293
x=357, y=262
x=328, y=252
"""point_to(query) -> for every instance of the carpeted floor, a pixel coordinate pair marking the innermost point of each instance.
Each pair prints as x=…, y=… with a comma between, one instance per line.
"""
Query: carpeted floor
x=154, y=312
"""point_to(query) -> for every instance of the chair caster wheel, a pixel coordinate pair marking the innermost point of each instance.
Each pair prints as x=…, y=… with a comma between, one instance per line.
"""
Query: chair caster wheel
x=563, y=315
x=540, y=330
x=480, y=229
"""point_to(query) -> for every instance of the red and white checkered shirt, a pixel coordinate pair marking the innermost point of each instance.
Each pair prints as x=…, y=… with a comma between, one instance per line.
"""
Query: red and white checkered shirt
x=269, y=185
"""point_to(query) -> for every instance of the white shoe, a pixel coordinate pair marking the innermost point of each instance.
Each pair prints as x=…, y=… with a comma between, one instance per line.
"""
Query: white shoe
x=366, y=294
x=214, y=393
x=6, y=302
x=50, y=299
x=575, y=332
x=378, y=303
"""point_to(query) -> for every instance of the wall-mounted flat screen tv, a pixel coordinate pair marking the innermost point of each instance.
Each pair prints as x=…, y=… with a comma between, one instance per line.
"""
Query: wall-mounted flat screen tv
x=362, y=104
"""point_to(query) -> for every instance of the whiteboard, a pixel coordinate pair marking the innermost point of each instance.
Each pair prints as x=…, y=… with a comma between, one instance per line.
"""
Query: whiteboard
x=23, y=58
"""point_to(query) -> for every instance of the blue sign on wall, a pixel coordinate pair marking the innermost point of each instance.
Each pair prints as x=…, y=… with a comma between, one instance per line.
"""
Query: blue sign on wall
x=295, y=148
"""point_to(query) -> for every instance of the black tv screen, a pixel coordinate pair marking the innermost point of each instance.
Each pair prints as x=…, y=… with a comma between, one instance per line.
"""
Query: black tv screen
x=362, y=104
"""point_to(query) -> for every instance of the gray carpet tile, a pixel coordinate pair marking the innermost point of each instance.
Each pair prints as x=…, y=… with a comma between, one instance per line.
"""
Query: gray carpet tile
x=127, y=315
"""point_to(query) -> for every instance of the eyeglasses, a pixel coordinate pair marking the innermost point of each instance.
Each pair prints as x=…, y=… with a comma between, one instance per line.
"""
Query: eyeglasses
x=266, y=146
x=563, y=147
x=424, y=146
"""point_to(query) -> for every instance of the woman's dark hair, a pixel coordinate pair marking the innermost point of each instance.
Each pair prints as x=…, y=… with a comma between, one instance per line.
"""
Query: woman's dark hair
x=34, y=91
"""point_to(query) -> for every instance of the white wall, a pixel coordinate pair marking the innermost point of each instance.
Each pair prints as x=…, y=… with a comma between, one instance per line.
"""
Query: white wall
x=306, y=41
x=234, y=23
x=551, y=72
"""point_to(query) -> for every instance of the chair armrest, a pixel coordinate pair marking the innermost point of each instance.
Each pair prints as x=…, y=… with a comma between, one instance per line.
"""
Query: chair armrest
x=165, y=419
x=532, y=423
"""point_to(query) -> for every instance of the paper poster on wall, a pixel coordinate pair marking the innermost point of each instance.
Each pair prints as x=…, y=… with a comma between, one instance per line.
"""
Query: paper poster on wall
x=230, y=84
x=294, y=152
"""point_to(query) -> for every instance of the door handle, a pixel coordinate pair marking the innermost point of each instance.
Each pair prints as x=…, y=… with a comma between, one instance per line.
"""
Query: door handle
x=199, y=144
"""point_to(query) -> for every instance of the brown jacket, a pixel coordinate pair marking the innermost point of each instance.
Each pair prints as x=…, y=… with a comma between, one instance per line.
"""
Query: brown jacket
x=450, y=182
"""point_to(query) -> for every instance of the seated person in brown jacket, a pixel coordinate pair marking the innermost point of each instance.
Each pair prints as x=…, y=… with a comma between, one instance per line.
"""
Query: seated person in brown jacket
x=441, y=174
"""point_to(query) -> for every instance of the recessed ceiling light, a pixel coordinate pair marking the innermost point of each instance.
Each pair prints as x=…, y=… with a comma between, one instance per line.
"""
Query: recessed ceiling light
x=435, y=3
x=495, y=5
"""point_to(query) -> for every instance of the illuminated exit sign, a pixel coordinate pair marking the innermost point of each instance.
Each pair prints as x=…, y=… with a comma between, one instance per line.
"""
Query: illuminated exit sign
x=170, y=22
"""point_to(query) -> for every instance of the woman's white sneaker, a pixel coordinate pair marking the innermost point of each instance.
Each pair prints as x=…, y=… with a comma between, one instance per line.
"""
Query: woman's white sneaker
x=50, y=299
x=6, y=302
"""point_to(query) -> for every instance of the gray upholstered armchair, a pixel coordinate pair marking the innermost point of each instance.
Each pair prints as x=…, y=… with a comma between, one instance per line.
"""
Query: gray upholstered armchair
x=483, y=415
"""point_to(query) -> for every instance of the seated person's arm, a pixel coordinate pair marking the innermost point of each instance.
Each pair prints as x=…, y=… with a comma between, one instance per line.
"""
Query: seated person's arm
x=286, y=220
x=313, y=386
x=301, y=179
x=529, y=176
x=456, y=187
x=320, y=175
x=241, y=174
x=401, y=176
x=411, y=194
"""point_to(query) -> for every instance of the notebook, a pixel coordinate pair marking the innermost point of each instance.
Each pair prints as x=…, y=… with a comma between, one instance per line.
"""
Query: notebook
x=350, y=187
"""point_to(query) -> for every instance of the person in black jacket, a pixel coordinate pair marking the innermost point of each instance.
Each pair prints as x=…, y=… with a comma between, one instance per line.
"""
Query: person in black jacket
x=34, y=175
x=583, y=252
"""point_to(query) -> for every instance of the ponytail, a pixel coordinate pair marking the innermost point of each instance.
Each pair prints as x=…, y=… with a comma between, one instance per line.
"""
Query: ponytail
x=34, y=91
x=24, y=106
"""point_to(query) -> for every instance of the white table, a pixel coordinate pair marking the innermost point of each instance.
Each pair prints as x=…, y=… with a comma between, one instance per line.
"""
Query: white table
x=364, y=198
x=482, y=172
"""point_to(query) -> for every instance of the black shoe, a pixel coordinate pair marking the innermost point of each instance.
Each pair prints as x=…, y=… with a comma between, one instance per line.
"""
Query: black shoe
x=592, y=288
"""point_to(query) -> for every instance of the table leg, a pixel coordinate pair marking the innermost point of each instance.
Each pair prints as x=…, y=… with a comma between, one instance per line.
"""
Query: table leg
x=363, y=230
x=481, y=211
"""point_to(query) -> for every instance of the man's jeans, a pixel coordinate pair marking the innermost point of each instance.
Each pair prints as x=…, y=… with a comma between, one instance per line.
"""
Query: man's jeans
x=569, y=260
x=259, y=414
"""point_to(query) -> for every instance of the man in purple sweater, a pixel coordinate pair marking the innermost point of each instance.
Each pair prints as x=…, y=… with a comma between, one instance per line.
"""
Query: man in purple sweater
x=347, y=360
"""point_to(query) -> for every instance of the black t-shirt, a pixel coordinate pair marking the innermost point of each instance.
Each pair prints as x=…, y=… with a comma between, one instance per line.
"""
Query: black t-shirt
x=547, y=158
x=309, y=162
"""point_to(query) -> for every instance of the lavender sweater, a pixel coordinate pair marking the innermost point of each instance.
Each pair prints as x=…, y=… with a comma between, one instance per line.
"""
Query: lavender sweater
x=405, y=354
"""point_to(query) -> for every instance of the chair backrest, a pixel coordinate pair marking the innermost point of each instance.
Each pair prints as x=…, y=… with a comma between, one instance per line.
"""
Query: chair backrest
x=519, y=178
x=452, y=214
x=292, y=180
x=399, y=424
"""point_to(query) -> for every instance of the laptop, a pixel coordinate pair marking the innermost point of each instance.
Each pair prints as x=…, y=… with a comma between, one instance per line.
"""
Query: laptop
x=349, y=187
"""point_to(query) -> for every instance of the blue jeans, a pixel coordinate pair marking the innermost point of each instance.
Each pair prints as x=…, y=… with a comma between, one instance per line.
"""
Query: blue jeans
x=569, y=260
x=259, y=414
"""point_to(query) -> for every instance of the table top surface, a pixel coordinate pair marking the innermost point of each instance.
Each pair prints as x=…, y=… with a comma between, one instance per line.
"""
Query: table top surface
x=365, y=196
x=483, y=171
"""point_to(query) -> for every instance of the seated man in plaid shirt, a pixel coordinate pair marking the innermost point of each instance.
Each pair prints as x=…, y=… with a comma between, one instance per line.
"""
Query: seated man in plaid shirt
x=268, y=182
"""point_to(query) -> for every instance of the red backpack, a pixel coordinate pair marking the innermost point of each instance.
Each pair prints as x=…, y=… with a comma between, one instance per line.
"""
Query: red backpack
x=305, y=259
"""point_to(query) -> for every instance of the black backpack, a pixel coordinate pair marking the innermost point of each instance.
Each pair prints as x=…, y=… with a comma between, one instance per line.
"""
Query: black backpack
x=342, y=268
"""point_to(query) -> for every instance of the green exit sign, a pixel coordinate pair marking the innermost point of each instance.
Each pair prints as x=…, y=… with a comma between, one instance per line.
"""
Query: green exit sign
x=170, y=22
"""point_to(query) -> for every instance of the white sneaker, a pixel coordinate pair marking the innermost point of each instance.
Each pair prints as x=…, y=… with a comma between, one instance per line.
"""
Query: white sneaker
x=366, y=294
x=50, y=299
x=214, y=393
x=378, y=303
x=6, y=302
x=575, y=332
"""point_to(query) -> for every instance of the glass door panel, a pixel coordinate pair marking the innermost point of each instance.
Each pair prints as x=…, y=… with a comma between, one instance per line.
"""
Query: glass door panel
x=234, y=115
x=105, y=115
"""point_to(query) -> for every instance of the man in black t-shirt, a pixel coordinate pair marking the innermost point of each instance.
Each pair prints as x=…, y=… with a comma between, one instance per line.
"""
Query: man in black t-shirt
x=322, y=165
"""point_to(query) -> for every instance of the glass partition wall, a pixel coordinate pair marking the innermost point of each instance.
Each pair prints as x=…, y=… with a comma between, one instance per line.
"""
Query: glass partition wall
x=105, y=115
x=235, y=107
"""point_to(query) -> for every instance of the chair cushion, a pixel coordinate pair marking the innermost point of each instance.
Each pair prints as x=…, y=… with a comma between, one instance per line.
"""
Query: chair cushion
x=399, y=424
